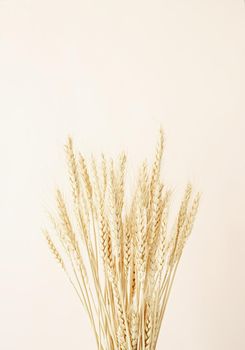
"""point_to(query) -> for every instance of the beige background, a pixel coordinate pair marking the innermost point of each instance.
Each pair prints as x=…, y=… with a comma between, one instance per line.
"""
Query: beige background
x=108, y=73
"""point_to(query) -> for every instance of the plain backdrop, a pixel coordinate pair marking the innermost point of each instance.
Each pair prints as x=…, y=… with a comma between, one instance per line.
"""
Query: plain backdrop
x=109, y=73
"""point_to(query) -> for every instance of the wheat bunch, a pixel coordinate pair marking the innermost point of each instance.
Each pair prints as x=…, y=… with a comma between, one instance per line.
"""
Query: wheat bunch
x=120, y=257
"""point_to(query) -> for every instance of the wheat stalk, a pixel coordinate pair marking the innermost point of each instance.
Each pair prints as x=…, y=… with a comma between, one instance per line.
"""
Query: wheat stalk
x=120, y=256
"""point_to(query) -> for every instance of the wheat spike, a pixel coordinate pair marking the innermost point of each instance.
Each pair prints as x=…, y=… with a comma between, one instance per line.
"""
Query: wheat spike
x=54, y=250
x=73, y=171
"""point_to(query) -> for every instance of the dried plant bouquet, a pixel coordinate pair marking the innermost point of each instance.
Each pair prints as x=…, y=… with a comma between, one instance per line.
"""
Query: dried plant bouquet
x=120, y=255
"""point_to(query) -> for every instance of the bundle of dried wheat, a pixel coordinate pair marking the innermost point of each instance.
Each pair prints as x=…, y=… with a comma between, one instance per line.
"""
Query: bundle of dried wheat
x=121, y=258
